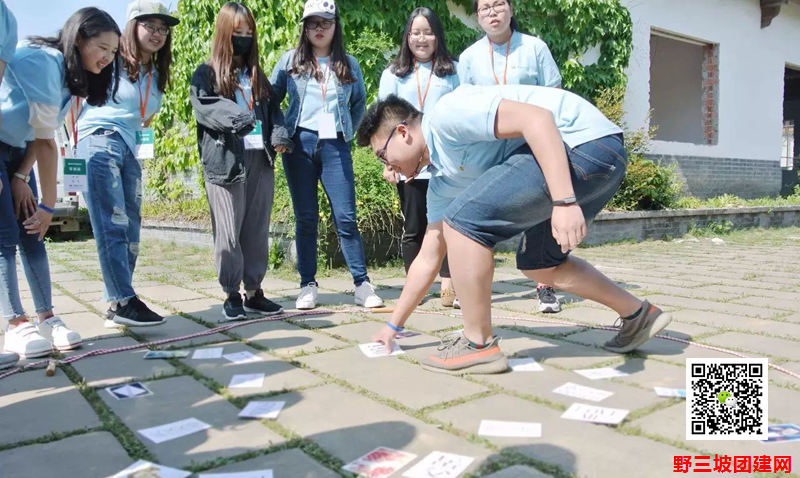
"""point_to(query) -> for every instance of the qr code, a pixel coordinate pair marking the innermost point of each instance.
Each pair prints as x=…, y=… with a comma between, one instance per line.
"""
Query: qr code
x=726, y=399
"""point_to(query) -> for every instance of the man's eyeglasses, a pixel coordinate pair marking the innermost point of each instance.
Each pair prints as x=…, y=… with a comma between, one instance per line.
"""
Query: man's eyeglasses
x=164, y=31
x=498, y=7
x=324, y=24
x=382, y=153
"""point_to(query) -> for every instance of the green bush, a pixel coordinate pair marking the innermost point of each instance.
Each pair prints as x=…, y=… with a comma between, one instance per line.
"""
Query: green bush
x=647, y=186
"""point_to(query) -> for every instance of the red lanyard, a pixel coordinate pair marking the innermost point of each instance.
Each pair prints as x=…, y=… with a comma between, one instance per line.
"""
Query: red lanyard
x=419, y=87
x=323, y=86
x=144, y=98
x=491, y=59
x=75, y=110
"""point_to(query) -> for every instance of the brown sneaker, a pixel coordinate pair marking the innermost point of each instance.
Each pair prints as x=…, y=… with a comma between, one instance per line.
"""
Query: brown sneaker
x=635, y=332
x=457, y=357
x=448, y=297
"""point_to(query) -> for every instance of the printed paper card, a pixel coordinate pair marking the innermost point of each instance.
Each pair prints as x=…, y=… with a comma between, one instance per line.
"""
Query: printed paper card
x=591, y=413
x=670, y=392
x=171, y=431
x=129, y=390
x=440, y=465
x=206, y=354
x=496, y=428
x=256, y=409
x=144, y=468
x=601, y=373
x=377, y=349
x=584, y=393
x=242, y=357
x=524, y=365
x=247, y=380
x=380, y=463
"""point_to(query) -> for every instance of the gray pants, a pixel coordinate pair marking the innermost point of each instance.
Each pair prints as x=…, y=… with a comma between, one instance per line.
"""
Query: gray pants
x=240, y=215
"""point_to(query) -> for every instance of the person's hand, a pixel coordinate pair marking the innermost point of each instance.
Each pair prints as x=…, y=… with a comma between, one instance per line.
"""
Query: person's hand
x=38, y=223
x=24, y=200
x=390, y=176
x=386, y=337
x=280, y=149
x=569, y=226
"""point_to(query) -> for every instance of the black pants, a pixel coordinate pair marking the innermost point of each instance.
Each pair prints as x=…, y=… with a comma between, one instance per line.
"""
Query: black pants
x=413, y=204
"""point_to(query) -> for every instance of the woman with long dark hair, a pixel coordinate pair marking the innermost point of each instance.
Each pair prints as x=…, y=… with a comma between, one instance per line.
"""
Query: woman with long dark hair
x=47, y=77
x=506, y=56
x=327, y=100
x=240, y=127
x=423, y=71
x=110, y=137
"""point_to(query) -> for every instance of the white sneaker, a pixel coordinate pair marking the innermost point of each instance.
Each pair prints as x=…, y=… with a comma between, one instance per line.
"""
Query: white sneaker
x=366, y=296
x=8, y=360
x=55, y=331
x=307, y=298
x=25, y=341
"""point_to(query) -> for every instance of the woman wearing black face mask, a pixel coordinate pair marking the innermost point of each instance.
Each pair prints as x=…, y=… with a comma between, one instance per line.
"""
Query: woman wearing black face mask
x=240, y=128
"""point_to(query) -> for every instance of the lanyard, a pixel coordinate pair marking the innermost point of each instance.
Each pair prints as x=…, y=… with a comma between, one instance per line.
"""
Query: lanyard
x=250, y=103
x=145, y=98
x=323, y=86
x=75, y=110
x=421, y=98
x=491, y=59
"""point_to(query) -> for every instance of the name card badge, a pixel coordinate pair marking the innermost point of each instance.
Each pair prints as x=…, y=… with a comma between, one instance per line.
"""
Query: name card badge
x=254, y=140
x=326, y=125
x=145, y=144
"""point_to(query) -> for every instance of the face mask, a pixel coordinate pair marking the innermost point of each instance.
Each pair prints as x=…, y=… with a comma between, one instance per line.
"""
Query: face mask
x=241, y=45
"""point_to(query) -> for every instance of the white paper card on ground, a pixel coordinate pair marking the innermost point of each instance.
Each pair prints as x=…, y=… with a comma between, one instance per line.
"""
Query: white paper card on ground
x=254, y=140
x=205, y=354
x=496, y=428
x=241, y=474
x=145, y=144
x=242, y=357
x=584, y=393
x=145, y=468
x=377, y=349
x=174, y=430
x=75, y=179
x=670, y=392
x=440, y=465
x=785, y=432
x=380, y=463
x=591, y=413
x=326, y=125
x=524, y=365
x=128, y=391
x=256, y=409
x=165, y=354
x=247, y=380
x=601, y=373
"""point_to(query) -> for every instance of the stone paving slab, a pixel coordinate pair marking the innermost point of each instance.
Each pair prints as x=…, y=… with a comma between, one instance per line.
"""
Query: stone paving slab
x=273, y=284
x=216, y=293
x=176, y=326
x=655, y=347
x=210, y=310
x=724, y=308
x=714, y=319
x=180, y=398
x=89, y=325
x=111, y=369
x=658, y=289
x=429, y=322
x=416, y=347
x=349, y=426
x=563, y=442
x=758, y=345
x=650, y=373
x=324, y=320
x=168, y=293
x=287, y=463
x=381, y=376
x=82, y=286
x=34, y=405
x=62, y=304
x=542, y=384
x=519, y=471
x=65, y=276
x=279, y=374
x=552, y=351
x=93, y=455
x=783, y=304
x=286, y=339
x=747, y=291
x=783, y=378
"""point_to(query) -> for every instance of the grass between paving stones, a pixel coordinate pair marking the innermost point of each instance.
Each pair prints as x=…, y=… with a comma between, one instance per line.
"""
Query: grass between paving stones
x=50, y=437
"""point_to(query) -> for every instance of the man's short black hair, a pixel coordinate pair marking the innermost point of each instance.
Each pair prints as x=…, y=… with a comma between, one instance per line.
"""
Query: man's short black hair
x=383, y=115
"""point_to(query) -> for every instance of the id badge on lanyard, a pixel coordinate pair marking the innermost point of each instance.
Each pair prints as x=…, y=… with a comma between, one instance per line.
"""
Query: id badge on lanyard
x=146, y=137
x=326, y=121
x=254, y=140
x=75, y=180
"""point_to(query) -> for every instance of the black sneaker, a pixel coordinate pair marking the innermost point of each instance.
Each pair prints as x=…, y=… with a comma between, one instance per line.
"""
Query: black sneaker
x=548, y=302
x=232, y=308
x=136, y=314
x=261, y=305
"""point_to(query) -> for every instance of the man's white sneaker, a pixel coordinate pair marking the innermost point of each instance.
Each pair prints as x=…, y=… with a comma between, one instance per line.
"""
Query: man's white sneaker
x=307, y=298
x=25, y=341
x=366, y=296
x=55, y=331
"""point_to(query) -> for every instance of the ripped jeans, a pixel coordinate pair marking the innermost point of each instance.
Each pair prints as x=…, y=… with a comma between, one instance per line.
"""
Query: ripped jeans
x=114, y=199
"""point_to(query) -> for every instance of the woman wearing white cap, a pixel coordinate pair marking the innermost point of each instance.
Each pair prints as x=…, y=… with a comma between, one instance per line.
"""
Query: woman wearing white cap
x=327, y=100
x=115, y=139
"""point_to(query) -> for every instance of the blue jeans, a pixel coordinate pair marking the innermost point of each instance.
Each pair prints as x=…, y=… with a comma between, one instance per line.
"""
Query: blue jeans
x=512, y=198
x=114, y=199
x=330, y=161
x=32, y=250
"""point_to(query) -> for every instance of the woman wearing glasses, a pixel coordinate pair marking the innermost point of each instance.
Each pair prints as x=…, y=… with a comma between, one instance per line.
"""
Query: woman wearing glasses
x=507, y=57
x=423, y=71
x=110, y=138
x=327, y=100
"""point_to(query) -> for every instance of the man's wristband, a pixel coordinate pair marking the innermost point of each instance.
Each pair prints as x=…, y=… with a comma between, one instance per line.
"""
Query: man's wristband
x=46, y=209
x=394, y=327
x=565, y=201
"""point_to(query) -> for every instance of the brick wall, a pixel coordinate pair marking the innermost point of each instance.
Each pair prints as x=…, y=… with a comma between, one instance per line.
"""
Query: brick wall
x=711, y=93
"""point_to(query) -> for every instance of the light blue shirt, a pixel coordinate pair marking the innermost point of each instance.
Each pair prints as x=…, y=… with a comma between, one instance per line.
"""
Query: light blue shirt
x=312, y=104
x=34, y=76
x=529, y=63
x=406, y=88
x=460, y=136
x=244, y=93
x=8, y=33
x=124, y=114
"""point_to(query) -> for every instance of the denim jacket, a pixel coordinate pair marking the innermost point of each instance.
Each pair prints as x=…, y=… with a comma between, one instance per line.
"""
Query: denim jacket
x=222, y=125
x=352, y=97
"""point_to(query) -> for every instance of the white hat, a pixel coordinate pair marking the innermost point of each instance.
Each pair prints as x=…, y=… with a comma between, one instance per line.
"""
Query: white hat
x=151, y=9
x=320, y=8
